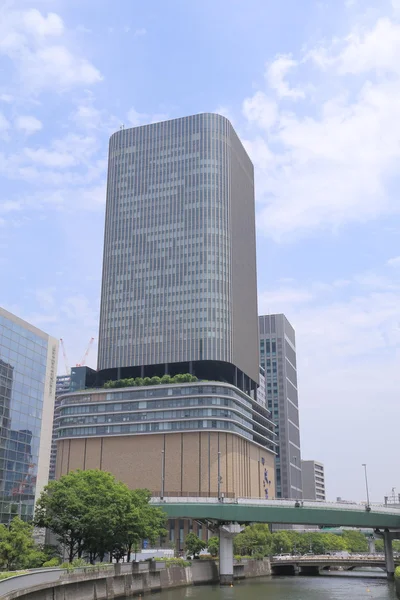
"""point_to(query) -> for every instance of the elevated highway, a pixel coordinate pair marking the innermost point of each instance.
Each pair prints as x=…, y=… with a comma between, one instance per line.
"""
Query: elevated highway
x=229, y=513
x=250, y=510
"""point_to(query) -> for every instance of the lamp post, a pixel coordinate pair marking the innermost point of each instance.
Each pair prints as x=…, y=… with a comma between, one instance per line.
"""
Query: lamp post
x=162, y=473
x=297, y=503
x=368, y=507
x=219, y=476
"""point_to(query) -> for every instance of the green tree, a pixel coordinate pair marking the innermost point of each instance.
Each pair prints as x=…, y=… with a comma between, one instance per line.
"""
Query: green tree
x=91, y=513
x=213, y=545
x=17, y=546
x=255, y=540
x=281, y=542
x=355, y=541
x=194, y=545
x=141, y=521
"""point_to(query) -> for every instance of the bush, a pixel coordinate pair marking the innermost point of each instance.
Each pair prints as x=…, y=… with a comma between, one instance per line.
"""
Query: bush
x=175, y=562
x=54, y=562
x=213, y=545
x=139, y=381
x=397, y=573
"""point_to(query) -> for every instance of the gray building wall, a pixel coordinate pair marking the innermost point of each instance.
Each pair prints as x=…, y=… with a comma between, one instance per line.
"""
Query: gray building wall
x=179, y=267
x=313, y=474
x=63, y=384
x=278, y=358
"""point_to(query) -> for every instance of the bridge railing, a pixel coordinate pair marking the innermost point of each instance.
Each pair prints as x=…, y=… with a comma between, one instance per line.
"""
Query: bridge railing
x=333, y=559
x=382, y=508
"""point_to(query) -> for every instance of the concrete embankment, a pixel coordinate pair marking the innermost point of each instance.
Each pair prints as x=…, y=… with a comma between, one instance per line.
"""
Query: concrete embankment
x=118, y=581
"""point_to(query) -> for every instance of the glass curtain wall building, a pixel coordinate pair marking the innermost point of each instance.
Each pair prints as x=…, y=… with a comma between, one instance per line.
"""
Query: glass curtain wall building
x=179, y=288
x=28, y=365
x=278, y=358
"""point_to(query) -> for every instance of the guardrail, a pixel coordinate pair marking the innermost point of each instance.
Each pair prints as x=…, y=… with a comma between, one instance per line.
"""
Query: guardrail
x=29, y=580
x=329, y=557
x=381, y=508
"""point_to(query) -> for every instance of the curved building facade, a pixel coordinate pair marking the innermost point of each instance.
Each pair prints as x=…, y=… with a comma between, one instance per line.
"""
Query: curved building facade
x=135, y=433
x=179, y=268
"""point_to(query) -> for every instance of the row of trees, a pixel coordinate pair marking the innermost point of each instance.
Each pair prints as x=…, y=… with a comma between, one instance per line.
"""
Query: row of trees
x=140, y=381
x=258, y=541
x=92, y=514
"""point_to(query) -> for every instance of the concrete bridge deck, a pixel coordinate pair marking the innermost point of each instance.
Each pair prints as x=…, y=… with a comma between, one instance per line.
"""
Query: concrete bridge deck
x=250, y=510
x=228, y=513
x=324, y=561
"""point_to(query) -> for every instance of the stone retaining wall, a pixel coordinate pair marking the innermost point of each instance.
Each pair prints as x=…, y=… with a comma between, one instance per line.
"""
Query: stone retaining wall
x=126, y=580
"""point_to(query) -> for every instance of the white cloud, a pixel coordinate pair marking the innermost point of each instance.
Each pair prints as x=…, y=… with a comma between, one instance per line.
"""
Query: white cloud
x=348, y=352
x=45, y=297
x=261, y=109
x=87, y=116
x=136, y=118
x=276, y=73
x=56, y=66
x=35, y=23
x=394, y=262
x=334, y=162
x=8, y=98
x=26, y=38
x=28, y=124
x=49, y=158
x=276, y=300
x=140, y=32
x=4, y=124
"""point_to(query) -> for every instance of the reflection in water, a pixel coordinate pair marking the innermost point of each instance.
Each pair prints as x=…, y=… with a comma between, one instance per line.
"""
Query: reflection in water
x=331, y=587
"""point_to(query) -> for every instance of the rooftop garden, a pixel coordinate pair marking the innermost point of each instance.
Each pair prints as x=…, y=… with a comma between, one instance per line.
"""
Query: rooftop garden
x=145, y=381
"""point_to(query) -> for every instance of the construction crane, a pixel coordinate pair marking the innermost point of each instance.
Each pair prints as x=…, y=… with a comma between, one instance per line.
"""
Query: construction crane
x=66, y=362
x=83, y=361
x=84, y=358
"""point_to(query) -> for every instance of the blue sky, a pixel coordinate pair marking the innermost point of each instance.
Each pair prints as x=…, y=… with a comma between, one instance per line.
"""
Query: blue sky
x=312, y=88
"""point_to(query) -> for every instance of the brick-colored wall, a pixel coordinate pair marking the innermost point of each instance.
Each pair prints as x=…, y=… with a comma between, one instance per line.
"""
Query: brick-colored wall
x=191, y=462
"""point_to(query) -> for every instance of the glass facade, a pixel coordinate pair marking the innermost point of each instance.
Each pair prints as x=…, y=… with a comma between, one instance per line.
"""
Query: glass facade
x=278, y=359
x=169, y=268
x=25, y=389
x=162, y=409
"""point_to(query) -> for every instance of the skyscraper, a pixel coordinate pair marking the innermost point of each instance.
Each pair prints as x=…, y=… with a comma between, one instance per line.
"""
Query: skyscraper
x=313, y=473
x=179, y=271
x=179, y=297
x=278, y=358
x=28, y=364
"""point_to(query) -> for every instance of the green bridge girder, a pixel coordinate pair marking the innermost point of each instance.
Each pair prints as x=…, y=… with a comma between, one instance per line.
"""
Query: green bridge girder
x=257, y=513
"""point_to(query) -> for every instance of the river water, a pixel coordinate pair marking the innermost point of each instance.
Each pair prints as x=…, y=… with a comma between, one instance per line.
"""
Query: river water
x=326, y=587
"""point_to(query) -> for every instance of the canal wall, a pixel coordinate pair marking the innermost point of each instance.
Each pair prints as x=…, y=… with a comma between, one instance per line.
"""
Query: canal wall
x=119, y=581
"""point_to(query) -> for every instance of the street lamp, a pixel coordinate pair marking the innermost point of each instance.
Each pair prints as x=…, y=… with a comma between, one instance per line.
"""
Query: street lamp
x=219, y=476
x=162, y=473
x=368, y=507
x=297, y=503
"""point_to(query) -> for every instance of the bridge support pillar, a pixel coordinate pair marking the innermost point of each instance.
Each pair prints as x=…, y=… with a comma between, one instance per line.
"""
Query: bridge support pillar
x=226, y=534
x=387, y=540
x=371, y=545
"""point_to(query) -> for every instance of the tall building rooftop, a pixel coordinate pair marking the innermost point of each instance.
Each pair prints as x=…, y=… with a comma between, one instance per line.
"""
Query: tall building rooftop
x=179, y=269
